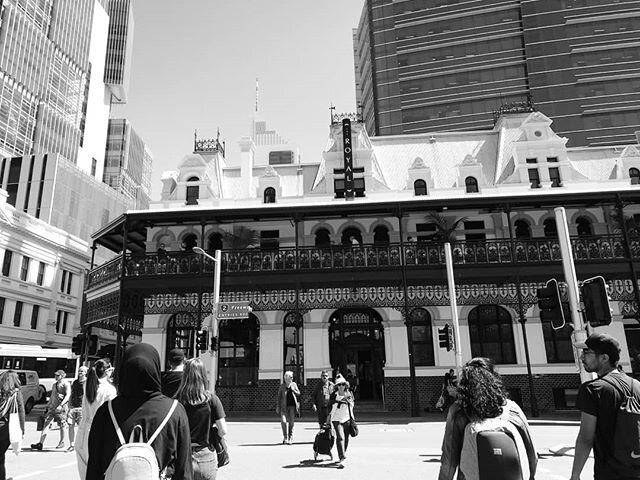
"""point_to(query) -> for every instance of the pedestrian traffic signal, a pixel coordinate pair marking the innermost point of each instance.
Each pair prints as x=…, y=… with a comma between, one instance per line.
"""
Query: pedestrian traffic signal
x=92, y=344
x=551, y=309
x=595, y=297
x=445, y=337
x=202, y=340
x=77, y=343
x=214, y=343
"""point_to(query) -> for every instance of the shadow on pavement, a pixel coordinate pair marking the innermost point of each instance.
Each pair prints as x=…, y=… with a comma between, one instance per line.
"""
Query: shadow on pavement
x=312, y=464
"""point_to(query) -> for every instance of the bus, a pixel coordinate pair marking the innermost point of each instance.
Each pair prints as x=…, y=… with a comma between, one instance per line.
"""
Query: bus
x=45, y=361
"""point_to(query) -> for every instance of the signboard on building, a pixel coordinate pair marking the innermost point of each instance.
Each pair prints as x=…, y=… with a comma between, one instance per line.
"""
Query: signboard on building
x=231, y=310
x=348, y=158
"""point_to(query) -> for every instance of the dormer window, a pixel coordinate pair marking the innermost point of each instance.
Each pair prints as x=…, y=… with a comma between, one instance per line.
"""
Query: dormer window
x=554, y=176
x=193, y=191
x=534, y=177
x=269, y=195
x=634, y=176
x=471, y=185
x=419, y=187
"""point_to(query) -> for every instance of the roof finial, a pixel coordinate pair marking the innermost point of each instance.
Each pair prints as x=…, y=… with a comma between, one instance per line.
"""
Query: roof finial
x=257, y=96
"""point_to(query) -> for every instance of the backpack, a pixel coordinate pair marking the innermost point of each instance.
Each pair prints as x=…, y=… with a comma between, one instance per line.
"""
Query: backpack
x=136, y=459
x=626, y=443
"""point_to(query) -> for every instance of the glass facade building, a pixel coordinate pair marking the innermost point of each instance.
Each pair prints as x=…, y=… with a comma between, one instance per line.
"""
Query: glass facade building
x=119, y=49
x=429, y=65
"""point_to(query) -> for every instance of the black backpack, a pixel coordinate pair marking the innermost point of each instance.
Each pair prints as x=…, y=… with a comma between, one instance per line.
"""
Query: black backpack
x=626, y=444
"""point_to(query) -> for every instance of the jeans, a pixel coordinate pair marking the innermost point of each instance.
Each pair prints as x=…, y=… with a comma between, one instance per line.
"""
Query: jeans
x=342, y=438
x=322, y=415
x=205, y=464
x=4, y=445
x=287, y=420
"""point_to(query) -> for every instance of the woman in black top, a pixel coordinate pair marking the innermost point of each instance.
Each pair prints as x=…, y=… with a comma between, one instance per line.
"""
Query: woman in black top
x=203, y=411
x=9, y=396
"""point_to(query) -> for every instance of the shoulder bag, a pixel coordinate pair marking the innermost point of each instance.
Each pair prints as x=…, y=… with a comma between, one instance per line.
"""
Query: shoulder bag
x=353, y=426
x=15, y=430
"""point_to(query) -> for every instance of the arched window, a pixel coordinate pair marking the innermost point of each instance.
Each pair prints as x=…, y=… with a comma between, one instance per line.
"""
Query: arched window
x=322, y=238
x=293, y=345
x=491, y=334
x=215, y=242
x=193, y=191
x=269, y=195
x=584, y=226
x=420, y=187
x=557, y=343
x=522, y=229
x=634, y=176
x=349, y=232
x=422, y=337
x=238, y=347
x=381, y=235
x=189, y=241
x=471, y=184
x=181, y=332
x=550, y=228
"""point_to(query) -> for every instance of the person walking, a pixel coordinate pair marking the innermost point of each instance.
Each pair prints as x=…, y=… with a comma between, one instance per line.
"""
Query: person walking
x=9, y=396
x=75, y=405
x=604, y=403
x=172, y=378
x=321, y=396
x=57, y=409
x=482, y=403
x=98, y=389
x=288, y=406
x=341, y=406
x=204, y=410
x=140, y=403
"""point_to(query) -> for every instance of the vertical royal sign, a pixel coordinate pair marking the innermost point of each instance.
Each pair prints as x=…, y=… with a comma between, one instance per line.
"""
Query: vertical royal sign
x=348, y=158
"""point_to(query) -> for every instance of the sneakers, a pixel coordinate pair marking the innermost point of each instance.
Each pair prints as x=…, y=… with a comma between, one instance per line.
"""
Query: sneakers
x=284, y=441
x=71, y=448
x=60, y=446
x=36, y=446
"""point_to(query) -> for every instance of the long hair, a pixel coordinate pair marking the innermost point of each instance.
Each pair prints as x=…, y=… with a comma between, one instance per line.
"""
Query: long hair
x=97, y=371
x=480, y=389
x=193, y=387
x=9, y=381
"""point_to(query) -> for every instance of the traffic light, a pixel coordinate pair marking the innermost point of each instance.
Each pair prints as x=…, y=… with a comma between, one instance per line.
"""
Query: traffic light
x=77, y=344
x=595, y=297
x=445, y=337
x=214, y=343
x=551, y=308
x=107, y=351
x=92, y=345
x=202, y=340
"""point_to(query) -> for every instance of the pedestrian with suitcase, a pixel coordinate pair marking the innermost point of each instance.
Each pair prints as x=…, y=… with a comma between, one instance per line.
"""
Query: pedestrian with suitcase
x=486, y=435
x=341, y=406
x=323, y=443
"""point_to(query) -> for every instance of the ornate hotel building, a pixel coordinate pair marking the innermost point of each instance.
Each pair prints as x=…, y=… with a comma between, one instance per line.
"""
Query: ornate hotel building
x=342, y=261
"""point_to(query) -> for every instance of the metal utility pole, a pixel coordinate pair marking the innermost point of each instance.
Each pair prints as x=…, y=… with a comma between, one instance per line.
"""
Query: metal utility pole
x=454, y=304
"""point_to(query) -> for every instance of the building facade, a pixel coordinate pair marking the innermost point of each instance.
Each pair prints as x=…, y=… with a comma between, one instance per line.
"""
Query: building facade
x=343, y=261
x=119, y=49
x=429, y=65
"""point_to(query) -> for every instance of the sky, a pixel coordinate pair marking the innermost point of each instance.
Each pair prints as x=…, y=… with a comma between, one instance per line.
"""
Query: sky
x=195, y=65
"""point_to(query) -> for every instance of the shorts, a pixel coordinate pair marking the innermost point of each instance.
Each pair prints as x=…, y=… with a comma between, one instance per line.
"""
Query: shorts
x=74, y=416
x=57, y=415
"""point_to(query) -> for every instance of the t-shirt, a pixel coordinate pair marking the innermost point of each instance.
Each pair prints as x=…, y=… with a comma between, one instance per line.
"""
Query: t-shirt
x=602, y=399
x=77, y=392
x=291, y=398
x=58, y=392
x=170, y=382
x=199, y=423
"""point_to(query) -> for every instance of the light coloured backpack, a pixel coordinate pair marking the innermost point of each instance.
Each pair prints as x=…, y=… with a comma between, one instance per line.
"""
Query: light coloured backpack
x=136, y=459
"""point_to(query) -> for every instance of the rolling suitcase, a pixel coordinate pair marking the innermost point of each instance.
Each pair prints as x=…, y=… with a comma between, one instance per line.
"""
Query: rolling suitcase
x=323, y=443
x=498, y=457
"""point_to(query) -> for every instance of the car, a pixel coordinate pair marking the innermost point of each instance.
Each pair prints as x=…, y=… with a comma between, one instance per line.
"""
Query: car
x=29, y=387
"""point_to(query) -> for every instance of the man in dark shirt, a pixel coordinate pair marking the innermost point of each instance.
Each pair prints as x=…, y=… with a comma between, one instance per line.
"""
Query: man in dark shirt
x=599, y=401
x=75, y=405
x=171, y=379
x=321, y=397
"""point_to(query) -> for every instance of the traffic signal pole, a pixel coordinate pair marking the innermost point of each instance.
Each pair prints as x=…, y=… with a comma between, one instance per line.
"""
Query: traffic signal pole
x=454, y=305
x=579, y=328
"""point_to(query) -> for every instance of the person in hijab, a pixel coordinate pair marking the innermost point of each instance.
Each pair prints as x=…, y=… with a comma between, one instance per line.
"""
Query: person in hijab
x=140, y=402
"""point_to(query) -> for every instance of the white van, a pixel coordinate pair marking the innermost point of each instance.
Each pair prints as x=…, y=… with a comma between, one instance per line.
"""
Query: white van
x=29, y=387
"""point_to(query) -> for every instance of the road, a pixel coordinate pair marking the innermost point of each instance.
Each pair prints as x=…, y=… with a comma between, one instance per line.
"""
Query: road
x=394, y=448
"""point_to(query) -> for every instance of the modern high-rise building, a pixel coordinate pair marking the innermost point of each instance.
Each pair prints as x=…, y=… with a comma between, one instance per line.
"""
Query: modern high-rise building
x=128, y=162
x=428, y=65
x=119, y=49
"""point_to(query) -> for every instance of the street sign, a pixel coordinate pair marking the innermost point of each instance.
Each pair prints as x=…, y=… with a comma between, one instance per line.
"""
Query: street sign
x=231, y=310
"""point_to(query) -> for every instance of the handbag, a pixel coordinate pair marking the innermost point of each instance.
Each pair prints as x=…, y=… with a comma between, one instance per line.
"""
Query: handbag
x=353, y=426
x=15, y=431
x=219, y=444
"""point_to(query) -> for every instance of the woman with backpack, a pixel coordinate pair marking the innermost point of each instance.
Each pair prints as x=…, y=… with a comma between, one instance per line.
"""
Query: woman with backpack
x=97, y=390
x=9, y=396
x=204, y=411
x=481, y=410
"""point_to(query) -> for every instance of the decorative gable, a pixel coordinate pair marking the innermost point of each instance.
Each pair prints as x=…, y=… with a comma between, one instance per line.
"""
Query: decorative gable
x=269, y=179
x=419, y=170
x=470, y=169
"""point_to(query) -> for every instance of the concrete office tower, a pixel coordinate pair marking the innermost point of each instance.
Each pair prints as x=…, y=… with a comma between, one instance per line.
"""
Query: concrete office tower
x=44, y=65
x=119, y=49
x=128, y=163
x=428, y=65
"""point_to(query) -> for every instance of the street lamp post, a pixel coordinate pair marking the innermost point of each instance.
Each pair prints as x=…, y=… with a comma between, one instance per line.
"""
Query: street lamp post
x=214, y=311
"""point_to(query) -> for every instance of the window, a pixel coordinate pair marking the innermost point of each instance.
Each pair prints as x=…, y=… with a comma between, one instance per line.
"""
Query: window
x=557, y=343
x=215, y=242
x=270, y=239
x=65, y=283
x=634, y=176
x=281, y=158
x=193, y=191
x=552, y=159
x=554, y=176
x=2, y=302
x=532, y=160
x=491, y=334
x=422, y=337
x=471, y=185
x=381, y=235
x=522, y=229
x=293, y=345
x=322, y=238
x=269, y=195
x=471, y=232
x=239, y=342
x=339, y=187
x=24, y=269
x=534, y=177
x=17, y=314
x=61, y=322
x=584, y=226
x=428, y=230
x=419, y=187
x=6, y=263
x=34, y=317
x=550, y=228
x=41, y=269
